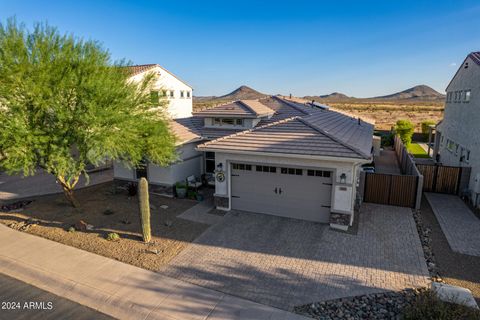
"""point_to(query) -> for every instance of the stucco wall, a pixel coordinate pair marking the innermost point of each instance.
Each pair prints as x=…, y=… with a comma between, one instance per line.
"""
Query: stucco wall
x=343, y=195
x=177, y=107
x=190, y=163
x=461, y=122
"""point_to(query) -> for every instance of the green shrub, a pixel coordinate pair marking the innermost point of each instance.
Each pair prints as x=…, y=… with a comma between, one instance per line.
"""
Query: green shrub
x=404, y=128
x=427, y=306
x=425, y=127
x=112, y=236
x=71, y=229
x=181, y=185
x=386, y=140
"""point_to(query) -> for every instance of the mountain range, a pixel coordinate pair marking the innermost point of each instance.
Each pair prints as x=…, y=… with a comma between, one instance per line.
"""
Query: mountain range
x=420, y=93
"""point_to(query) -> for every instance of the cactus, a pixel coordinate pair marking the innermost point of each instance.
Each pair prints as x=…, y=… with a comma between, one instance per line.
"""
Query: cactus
x=144, y=205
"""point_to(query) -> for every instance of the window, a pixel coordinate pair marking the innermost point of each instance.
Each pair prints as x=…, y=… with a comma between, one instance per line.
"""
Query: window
x=188, y=94
x=450, y=145
x=456, y=149
x=228, y=121
x=318, y=173
x=467, y=156
x=467, y=95
x=241, y=166
x=209, y=162
x=448, y=96
x=154, y=97
x=292, y=171
x=266, y=169
x=182, y=94
x=171, y=94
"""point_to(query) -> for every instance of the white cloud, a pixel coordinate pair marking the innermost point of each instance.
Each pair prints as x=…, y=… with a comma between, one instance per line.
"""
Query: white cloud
x=453, y=64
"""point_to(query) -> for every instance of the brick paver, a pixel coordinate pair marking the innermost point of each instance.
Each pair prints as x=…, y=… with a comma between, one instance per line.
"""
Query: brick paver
x=286, y=262
x=460, y=226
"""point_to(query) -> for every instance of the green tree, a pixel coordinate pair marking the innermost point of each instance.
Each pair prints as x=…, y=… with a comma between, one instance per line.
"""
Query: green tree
x=404, y=128
x=64, y=104
x=426, y=127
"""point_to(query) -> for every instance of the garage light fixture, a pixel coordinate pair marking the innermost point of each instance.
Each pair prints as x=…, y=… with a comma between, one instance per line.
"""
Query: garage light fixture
x=220, y=166
x=343, y=178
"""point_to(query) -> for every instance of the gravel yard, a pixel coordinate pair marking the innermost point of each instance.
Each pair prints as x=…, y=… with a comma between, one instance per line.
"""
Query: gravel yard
x=109, y=211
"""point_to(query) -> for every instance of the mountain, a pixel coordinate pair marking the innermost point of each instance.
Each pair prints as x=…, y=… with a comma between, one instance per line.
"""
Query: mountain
x=241, y=93
x=421, y=92
x=415, y=94
x=330, y=97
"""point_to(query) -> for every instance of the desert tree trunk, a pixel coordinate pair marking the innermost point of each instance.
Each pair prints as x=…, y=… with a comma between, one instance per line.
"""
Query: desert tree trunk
x=67, y=187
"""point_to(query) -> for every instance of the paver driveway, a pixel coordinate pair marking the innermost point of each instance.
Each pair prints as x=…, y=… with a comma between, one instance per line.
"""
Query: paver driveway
x=286, y=262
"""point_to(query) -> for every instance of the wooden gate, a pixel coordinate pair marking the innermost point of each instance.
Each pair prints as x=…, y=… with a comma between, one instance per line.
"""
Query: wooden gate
x=441, y=179
x=391, y=189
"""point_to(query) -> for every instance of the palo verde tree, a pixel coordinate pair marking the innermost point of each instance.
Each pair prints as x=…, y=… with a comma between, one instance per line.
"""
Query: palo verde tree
x=64, y=105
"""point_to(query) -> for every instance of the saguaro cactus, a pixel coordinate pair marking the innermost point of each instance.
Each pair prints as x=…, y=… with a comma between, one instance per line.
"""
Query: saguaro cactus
x=144, y=205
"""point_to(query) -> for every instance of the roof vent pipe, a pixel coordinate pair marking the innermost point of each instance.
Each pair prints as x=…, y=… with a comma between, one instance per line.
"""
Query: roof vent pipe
x=359, y=122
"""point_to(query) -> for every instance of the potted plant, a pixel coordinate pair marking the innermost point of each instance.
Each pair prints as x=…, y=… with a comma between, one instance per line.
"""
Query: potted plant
x=181, y=189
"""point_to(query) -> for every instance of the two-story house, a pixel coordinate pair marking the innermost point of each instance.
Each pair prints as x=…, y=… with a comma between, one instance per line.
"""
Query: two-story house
x=457, y=139
x=178, y=92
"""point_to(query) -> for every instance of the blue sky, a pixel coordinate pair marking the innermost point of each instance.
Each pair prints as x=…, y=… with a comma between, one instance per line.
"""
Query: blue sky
x=361, y=48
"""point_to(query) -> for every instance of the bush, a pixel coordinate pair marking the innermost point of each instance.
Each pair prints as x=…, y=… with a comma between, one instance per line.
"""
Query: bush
x=427, y=306
x=404, y=128
x=132, y=189
x=181, y=185
x=112, y=236
x=425, y=127
x=386, y=140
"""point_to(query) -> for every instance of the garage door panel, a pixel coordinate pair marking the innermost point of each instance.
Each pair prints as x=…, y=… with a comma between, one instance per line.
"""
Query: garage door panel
x=298, y=196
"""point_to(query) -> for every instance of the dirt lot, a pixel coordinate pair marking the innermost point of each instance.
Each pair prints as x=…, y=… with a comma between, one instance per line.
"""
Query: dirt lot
x=170, y=234
x=385, y=115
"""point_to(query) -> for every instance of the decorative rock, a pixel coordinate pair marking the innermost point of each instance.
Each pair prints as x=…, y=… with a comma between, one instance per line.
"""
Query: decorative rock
x=80, y=225
x=168, y=223
x=387, y=305
x=164, y=206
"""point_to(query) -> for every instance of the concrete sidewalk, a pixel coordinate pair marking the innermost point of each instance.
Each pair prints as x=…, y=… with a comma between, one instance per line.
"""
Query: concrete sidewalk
x=117, y=289
x=460, y=226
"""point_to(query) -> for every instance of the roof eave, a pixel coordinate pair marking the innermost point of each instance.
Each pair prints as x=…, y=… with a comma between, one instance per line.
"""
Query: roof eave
x=285, y=155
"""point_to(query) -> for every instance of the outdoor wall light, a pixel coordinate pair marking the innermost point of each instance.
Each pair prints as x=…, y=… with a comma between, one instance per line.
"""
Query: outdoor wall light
x=343, y=178
x=220, y=166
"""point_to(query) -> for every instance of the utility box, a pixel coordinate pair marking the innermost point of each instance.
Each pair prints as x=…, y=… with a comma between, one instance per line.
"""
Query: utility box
x=377, y=144
x=476, y=184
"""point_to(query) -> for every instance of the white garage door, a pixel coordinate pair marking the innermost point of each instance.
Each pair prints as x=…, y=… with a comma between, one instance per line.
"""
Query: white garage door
x=283, y=191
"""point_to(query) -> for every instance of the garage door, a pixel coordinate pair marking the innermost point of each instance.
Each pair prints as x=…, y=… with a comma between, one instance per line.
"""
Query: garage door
x=283, y=191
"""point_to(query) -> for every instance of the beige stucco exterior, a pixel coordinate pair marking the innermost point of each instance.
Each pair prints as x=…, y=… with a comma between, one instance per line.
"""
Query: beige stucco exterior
x=343, y=194
x=461, y=126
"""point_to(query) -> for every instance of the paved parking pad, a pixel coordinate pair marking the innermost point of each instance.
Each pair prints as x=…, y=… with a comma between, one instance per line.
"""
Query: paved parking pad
x=286, y=262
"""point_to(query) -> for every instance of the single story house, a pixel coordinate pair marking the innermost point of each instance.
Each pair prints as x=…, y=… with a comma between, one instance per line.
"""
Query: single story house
x=274, y=156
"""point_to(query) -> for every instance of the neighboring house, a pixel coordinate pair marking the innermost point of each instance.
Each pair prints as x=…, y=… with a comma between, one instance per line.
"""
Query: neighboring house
x=457, y=139
x=178, y=93
x=272, y=156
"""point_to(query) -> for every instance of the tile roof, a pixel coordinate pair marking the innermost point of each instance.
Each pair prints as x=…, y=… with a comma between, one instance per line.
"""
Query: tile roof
x=243, y=108
x=288, y=136
x=295, y=128
x=137, y=69
x=185, y=130
x=258, y=108
x=475, y=56
x=235, y=108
